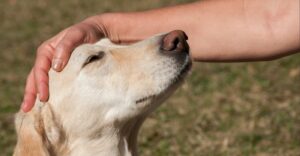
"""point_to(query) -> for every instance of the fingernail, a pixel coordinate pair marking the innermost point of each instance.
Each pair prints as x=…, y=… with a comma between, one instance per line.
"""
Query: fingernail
x=57, y=64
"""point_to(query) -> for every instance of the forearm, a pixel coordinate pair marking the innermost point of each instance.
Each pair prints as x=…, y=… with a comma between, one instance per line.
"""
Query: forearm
x=219, y=30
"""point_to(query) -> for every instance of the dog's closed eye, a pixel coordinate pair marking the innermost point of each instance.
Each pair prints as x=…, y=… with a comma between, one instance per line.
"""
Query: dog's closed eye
x=94, y=58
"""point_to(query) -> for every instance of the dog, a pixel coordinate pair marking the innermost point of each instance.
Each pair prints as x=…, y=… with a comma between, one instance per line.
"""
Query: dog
x=100, y=100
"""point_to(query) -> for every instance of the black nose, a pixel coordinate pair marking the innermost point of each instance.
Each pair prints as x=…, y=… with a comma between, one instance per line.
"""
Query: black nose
x=175, y=41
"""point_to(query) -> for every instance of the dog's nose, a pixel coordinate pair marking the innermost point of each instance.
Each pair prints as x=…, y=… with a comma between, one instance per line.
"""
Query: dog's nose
x=175, y=41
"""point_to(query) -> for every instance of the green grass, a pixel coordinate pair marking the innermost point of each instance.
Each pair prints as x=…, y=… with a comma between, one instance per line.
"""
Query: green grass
x=239, y=109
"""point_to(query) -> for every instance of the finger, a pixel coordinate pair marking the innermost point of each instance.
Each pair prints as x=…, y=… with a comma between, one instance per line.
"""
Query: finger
x=30, y=93
x=71, y=39
x=41, y=69
x=31, y=87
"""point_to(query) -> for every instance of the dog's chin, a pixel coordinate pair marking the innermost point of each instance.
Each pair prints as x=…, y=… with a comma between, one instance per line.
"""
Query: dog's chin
x=175, y=82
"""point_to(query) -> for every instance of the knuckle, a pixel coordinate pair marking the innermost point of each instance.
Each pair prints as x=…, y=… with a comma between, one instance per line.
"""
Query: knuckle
x=40, y=74
x=77, y=30
x=64, y=45
x=43, y=48
x=38, y=70
x=29, y=93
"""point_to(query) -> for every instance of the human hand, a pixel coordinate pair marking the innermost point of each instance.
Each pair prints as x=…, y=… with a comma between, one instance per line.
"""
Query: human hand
x=55, y=53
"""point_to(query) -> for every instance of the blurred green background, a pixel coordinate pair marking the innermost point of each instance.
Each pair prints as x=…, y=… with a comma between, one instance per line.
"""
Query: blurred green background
x=238, y=109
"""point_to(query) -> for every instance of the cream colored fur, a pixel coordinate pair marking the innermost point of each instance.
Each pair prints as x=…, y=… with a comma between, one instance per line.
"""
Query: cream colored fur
x=97, y=108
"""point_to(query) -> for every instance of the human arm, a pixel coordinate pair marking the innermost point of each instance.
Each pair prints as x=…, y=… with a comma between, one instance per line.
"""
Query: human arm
x=219, y=31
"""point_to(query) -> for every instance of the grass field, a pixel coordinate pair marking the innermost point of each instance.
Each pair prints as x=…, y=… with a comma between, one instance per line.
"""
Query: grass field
x=239, y=109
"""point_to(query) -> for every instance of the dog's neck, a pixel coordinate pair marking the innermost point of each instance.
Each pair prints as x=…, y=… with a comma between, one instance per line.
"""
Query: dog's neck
x=111, y=140
x=95, y=137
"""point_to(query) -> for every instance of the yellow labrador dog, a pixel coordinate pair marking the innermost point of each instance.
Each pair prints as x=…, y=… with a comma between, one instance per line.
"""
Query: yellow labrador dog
x=99, y=101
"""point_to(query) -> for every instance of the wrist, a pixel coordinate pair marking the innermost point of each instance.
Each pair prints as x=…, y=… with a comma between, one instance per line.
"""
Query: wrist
x=109, y=24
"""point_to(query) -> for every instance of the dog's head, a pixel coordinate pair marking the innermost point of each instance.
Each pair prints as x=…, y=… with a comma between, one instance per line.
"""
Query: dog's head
x=105, y=83
x=121, y=82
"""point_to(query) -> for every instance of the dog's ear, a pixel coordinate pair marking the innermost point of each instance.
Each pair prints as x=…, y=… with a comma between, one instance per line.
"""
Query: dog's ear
x=37, y=132
x=30, y=141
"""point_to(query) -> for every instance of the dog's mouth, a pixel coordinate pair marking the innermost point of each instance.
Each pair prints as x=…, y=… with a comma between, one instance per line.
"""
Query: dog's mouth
x=141, y=100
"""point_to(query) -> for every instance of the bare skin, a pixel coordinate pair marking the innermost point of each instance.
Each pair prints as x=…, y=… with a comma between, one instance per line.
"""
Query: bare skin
x=218, y=30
